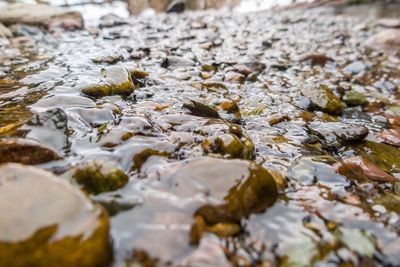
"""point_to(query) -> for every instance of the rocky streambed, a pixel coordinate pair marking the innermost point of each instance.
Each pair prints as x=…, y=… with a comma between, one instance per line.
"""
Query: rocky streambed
x=200, y=139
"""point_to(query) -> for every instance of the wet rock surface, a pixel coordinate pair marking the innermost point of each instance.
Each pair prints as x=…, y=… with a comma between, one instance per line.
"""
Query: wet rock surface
x=115, y=81
x=224, y=142
x=25, y=151
x=324, y=99
x=48, y=221
x=98, y=177
x=42, y=15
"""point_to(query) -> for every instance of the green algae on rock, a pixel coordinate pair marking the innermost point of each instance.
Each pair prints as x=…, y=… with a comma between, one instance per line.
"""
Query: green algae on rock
x=256, y=191
x=358, y=168
x=115, y=80
x=229, y=145
x=354, y=98
x=39, y=14
x=324, y=99
x=47, y=222
x=253, y=195
x=98, y=177
x=25, y=151
x=386, y=157
x=140, y=158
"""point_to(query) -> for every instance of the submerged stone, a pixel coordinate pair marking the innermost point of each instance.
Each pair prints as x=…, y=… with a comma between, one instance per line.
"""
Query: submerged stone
x=213, y=195
x=49, y=127
x=38, y=14
x=98, y=177
x=46, y=222
x=25, y=151
x=389, y=22
x=355, y=68
x=200, y=109
x=339, y=132
x=386, y=38
x=315, y=59
x=358, y=168
x=176, y=61
x=116, y=80
x=229, y=145
x=111, y=58
x=386, y=157
x=324, y=99
x=5, y=32
x=353, y=98
x=390, y=137
x=255, y=192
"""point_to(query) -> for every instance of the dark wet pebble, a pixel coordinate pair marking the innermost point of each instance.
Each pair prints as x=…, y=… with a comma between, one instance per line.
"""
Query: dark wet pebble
x=324, y=99
x=25, y=151
x=200, y=109
x=339, y=132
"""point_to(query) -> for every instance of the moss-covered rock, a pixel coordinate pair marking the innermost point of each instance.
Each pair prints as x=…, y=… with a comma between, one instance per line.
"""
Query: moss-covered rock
x=358, y=168
x=386, y=157
x=115, y=80
x=98, y=176
x=25, y=151
x=222, y=192
x=229, y=145
x=353, y=98
x=46, y=222
x=140, y=158
x=324, y=99
x=253, y=194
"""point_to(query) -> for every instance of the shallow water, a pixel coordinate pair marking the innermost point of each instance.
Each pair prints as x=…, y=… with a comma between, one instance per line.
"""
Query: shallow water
x=319, y=218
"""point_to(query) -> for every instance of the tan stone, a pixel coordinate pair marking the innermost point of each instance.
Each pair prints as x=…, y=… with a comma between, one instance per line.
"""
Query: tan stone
x=37, y=14
x=45, y=221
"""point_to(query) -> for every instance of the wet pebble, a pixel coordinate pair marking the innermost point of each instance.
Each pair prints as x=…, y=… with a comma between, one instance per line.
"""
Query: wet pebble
x=324, y=99
x=386, y=38
x=5, y=32
x=115, y=81
x=358, y=168
x=38, y=14
x=339, y=132
x=49, y=222
x=98, y=176
x=354, y=98
x=25, y=151
x=315, y=59
x=200, y=109
x=386, y=157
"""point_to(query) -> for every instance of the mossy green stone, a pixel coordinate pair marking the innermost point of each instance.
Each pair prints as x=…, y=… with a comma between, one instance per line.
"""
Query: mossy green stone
x=98, y=177
x=386, y=157
x=253, y=194
x=115, y=81
x=230, y=145
x=324, y=99
x=353, y=98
